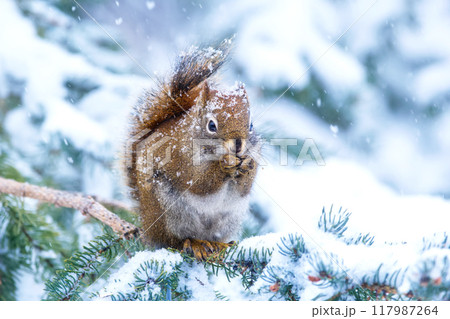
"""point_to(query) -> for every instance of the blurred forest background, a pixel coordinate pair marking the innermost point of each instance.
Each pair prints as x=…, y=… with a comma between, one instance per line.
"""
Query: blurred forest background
x=369, y=82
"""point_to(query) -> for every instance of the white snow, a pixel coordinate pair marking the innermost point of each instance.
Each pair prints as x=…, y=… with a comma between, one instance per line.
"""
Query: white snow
x=287, y=38
x=120, y=280
x=29, y=288
x=198, y=283
x=94, y=126
x=150, y=4
x=296, y=198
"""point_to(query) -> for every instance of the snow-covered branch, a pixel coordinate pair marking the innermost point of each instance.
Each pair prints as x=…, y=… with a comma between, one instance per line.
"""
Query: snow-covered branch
x=85, y=204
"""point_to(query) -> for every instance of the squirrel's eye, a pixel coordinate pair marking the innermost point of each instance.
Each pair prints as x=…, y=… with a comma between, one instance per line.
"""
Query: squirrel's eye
x=212, y=127
x=251, y=127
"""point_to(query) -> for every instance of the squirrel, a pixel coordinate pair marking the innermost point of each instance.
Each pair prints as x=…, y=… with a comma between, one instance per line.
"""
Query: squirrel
x=191, y=156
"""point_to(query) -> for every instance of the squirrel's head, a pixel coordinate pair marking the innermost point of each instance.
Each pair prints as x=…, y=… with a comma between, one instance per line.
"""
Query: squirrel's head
x=224, y=116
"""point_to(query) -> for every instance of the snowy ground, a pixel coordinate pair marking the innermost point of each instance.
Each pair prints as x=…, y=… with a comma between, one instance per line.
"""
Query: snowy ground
x=389, y=168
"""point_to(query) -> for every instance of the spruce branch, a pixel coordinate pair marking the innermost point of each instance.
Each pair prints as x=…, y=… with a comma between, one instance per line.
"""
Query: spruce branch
x=334, y=223
x=293, y=246
x=151, y=282
x=85, y=204
x=67, y=283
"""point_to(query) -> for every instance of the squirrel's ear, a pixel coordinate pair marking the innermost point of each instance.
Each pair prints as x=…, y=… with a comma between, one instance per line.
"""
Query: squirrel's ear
x=203, y=94
x=241, y=87
x=202, y=98
x=242, y=90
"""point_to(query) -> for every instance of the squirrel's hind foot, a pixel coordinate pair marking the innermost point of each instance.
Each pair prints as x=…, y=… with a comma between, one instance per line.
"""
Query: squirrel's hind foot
x=203, y=249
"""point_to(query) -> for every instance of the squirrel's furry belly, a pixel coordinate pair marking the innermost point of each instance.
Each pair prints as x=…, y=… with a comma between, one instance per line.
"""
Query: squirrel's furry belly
x=213, y=217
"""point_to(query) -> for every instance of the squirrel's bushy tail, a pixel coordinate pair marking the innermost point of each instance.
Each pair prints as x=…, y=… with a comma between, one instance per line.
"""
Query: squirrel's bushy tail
x=197, y=65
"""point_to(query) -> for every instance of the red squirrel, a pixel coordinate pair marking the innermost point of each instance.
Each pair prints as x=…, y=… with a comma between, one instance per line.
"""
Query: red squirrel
x=191, y=160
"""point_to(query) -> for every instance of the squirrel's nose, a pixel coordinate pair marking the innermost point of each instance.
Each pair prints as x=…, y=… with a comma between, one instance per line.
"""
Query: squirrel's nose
x=238, y=144
x=235, y=146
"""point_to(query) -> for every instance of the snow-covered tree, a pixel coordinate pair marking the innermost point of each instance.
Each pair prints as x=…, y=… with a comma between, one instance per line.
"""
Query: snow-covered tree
x=366, y=81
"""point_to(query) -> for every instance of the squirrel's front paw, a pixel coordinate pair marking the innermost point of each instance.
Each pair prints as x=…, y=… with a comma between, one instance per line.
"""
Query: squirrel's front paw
x=246, y=165
x=236, y=166
x=203, y=249
x=229, y=163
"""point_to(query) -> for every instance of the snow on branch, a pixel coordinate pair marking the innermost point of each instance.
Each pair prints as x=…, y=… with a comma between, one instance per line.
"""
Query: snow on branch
x=85, y=204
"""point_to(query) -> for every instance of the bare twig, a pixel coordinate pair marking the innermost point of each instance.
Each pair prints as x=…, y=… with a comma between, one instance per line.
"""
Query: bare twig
x=85, y=204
